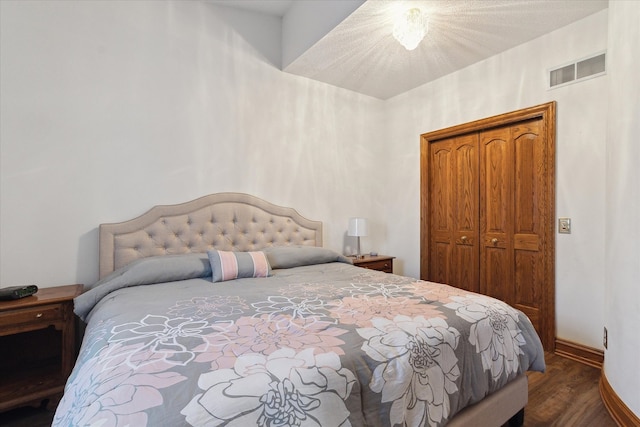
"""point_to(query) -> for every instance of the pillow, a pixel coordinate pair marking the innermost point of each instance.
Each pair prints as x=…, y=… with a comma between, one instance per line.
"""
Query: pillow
x=226, y=265
x=297, y=256
x=144, y=271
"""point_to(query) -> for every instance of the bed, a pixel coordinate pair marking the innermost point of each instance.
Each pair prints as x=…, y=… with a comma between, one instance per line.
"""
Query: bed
x=227, y=310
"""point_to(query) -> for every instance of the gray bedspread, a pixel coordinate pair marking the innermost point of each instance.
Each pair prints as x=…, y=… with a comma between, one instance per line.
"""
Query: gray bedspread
x=324, y=344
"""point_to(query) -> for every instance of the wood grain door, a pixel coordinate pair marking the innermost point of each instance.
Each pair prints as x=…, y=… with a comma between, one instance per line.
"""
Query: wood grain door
x=488, y=209
x=513, y=210
x=496, y=248
x=454, y=207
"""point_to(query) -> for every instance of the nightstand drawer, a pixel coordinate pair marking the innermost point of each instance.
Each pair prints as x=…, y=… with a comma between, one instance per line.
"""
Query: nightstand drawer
x=33, y=315
x=382, y=263
x=385, y=265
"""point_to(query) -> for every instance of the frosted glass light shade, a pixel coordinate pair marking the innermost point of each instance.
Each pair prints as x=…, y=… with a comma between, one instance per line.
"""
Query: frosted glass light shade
x=358, y=227
x=410, y=28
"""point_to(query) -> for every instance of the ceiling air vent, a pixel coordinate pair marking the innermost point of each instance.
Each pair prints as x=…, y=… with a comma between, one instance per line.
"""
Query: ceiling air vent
x=593, y=66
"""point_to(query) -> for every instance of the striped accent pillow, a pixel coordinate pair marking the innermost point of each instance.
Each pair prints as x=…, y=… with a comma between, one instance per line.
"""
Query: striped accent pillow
x=227, y=265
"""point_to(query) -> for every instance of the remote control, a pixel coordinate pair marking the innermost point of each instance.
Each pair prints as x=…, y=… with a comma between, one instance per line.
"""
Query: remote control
x=15, y=292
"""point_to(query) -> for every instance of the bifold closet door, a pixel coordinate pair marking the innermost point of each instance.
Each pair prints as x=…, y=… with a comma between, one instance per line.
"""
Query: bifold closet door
x=454, y=209
x=488, y=207
x=513, y=200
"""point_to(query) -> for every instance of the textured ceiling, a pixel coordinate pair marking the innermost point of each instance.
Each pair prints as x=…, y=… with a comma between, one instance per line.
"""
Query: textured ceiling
x=361, y=54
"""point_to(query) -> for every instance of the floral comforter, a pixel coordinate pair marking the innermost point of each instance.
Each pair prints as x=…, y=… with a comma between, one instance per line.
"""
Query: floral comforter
x=316, y=345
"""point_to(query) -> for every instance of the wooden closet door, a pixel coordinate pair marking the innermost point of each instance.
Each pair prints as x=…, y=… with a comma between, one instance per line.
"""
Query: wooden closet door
x=508, y=251
x=496, y=247
x=454, y=250
x=513, y=202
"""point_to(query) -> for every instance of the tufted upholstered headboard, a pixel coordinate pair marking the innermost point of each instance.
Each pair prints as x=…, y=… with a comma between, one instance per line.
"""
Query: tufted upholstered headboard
x=224, y=221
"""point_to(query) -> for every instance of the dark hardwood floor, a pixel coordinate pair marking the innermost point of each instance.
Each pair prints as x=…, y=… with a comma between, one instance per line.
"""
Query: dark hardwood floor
x=566, y=395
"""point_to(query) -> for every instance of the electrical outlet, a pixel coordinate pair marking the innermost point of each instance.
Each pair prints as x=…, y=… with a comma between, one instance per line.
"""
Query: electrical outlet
x=605, y=338
x=564, y=225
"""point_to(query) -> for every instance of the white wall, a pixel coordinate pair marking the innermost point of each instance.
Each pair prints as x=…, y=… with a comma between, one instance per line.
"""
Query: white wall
x=109, y=108
x=510, y=81
x=623, y=204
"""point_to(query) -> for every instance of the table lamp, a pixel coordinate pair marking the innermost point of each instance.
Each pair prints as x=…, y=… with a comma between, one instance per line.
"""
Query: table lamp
x=357, y=228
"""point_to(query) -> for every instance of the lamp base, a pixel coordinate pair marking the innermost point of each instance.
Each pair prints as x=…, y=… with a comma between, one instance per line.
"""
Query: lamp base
x=359, y=255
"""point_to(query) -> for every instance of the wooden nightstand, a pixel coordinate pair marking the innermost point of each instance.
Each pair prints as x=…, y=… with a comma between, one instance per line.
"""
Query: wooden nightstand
x=38, y=345
x=378, y=262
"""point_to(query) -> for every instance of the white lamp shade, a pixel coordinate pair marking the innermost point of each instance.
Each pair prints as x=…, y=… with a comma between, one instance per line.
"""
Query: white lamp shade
x=358, y=227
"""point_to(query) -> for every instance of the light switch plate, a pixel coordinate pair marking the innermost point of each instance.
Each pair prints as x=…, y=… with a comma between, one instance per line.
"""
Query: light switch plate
x=564, y=225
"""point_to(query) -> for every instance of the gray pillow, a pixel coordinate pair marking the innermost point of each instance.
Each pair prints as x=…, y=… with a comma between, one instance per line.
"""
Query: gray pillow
x=145, y=271
x=297, y=256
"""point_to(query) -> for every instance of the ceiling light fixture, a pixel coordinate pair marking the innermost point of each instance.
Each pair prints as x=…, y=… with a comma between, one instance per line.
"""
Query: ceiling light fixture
x=410, y=28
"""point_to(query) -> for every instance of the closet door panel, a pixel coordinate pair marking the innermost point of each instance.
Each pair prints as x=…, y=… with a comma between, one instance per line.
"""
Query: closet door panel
x=453, y=213
x=441, y=263
x=495, y=280
x=441, y=212
x=494, y=182
x=529, y=180
x=442, y=181
x=466, y=207
x=527, y=291
x=496, y=172
x=466, y=270
x=529, y=209
x=466, y=186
